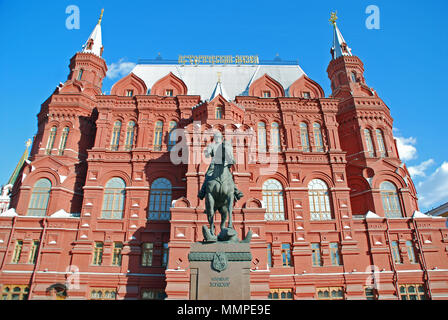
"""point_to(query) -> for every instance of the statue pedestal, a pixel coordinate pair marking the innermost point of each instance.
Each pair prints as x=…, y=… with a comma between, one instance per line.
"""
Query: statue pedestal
x=220, y=271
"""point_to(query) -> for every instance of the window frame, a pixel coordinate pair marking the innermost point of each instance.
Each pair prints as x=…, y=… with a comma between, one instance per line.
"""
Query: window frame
x=274, y=200
x=51, y=140
x=98, y=251
x=114, y=198
x=158, y=135
x=63, y=141
x=319, y=201
x=160, y=199
x=39, y=198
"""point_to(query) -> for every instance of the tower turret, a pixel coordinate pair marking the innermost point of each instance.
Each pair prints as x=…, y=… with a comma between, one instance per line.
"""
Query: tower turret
x=345, y=71
x=88, y=68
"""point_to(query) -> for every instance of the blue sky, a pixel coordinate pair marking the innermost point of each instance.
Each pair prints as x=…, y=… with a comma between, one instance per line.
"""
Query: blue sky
x=405, y=60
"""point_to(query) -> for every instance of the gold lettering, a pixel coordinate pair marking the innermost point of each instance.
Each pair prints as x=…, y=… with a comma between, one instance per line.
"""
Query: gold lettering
x=221, y=59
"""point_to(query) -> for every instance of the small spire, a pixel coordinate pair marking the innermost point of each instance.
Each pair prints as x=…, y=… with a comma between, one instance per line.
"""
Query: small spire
x=219, y=89
x=94, y=43
x=340, y=47
x=101, y=17
x=19, y=166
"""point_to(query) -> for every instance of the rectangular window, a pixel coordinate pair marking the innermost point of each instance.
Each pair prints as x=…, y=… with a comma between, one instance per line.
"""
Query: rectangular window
x=396, y=252
x=129, y=93
x=286, y=255
x=97, y=254
x=50, y=142
x=370, y=293
x=147, y=253
x=81, y=71
x=412, y=292
x=116, y=260
x=165, y=252
x=103, y=294
x=280, y=294
x=317, y=259
x=331, y=293
x=17, y=251
x=33, y=252
x=380, y=140
x=266, y=94
x=169, y=92
x=153, y=294
x=158, y=133
x=269, y=255
x=15, y=292
x=335, y=254
x=411, y=252
x=307, y=95
x=218, y=113
x=369, y=143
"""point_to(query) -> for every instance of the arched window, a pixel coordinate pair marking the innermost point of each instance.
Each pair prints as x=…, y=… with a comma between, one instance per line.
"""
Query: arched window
x=63, y=142
x=304, y=137
x=50, y=141
x=172, y=138
x=130, y=133
x=273, y=199
x=39, y=198
x=275, y=137
x=391, y=202
x=115, y=136
x=158, y=134
x=369, y=143
x=81, y=71
x=318, y=141
x=113, y=201
x=160, y=200
x=354, y=77
x=380, y=141
x=319, y=198
x=261, y=137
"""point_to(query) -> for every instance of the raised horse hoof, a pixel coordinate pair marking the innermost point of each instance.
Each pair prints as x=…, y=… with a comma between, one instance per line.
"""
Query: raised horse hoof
x=228, y=234
x=208, y=236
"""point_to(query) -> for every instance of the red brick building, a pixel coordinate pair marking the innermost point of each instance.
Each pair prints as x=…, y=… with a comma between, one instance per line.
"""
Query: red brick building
x=103, y=209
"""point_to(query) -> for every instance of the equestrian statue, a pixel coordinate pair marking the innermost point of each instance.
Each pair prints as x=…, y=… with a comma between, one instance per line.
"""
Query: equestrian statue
x=219, y=191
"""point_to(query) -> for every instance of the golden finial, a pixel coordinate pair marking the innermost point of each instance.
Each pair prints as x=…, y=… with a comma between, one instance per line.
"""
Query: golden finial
x=333, y=18
x=101, y=16
x=28, y=143
x=219, y=76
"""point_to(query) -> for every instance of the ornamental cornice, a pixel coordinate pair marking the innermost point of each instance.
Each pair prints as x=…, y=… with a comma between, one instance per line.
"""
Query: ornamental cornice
x=70, y=99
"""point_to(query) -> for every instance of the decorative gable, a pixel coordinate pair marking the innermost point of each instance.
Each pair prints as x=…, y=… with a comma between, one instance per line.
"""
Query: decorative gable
x=266, y=87
x=131, y=85
x=170, y=85
x=304, y=87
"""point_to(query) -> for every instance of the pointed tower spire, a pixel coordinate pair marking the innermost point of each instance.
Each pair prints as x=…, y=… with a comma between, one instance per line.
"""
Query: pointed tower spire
x=94, y=43
x=19, y=166
x=219, y=90
x=340, y=47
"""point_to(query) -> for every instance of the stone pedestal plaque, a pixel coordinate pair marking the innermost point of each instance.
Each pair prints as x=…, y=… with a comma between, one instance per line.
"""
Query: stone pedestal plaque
x=220, y=271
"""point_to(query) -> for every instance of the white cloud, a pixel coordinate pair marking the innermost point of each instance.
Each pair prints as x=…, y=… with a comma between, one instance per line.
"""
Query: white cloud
x=419, y=170
x=406, y=148
x=119, y=69
x=434, y=189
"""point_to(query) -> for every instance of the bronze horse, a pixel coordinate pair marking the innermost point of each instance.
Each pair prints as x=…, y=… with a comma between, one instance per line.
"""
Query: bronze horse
x=220, y=193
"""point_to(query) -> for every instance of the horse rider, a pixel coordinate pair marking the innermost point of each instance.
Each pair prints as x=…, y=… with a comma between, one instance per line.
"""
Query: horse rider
x=212, y=151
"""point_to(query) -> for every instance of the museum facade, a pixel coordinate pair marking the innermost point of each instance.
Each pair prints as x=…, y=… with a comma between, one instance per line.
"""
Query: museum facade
x=106, y=206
